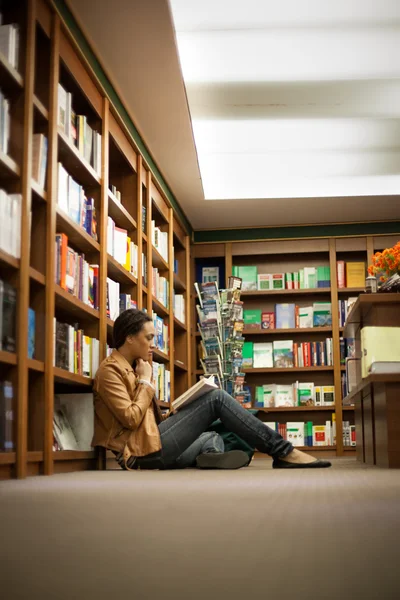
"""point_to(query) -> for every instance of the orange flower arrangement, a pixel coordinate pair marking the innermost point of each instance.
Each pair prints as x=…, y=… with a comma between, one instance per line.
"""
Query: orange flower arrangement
x=386, y=263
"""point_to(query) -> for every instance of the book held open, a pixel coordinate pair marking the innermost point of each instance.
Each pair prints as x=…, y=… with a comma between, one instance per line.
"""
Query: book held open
x=207, y=384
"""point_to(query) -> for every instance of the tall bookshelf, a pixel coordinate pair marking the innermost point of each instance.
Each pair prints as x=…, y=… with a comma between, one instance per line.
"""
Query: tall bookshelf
x=275, y=256
x=49, y=56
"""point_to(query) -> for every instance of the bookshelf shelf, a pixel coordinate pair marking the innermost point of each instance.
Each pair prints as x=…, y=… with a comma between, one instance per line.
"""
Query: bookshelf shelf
x=375, y=378
x=8, y=260
x=316, y=448
x=35, y=275
x=8, y=167
x=11, y=80
x=179, y=286
x=307, y=292
x=179, y=365
x=159, y=308
x=163, y=404
x=294, y=408
x=118, y=272
x=36, y=365
x=286, y=370
x=364, y=304
x=63, y=376
x=144, y=289
x=119, y=214
x=77, y=236
x=70, y=303
x=40, y=108
x=144, y=237
x=35, y=456
x=7, y=458
x=9, y=358
x=73, y=454
x=38, y=191
x=348, y=407
x=158, y=260
x=75, y=164
x=248, y=332
x=349, y=448
x=351, y=290
x=160, y=356
x=179, y=324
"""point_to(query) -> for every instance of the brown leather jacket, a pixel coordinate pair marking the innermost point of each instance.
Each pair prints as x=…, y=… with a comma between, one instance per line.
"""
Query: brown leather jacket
x=124, y=410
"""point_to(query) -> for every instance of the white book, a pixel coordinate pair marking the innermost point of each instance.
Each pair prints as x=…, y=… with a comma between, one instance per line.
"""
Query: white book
x=110, y=236
x=284, y=395
x=63, y=187
x=7, y=42
x=62, y=108
x=306, y=315
x=86, y=356
x=15, y=226
x=295, y=432
x=71, y=347
x=196, y=391
x=120, y=241
x=263, y=355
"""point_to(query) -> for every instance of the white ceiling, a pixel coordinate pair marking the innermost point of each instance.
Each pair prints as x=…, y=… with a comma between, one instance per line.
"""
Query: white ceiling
x=305, y=94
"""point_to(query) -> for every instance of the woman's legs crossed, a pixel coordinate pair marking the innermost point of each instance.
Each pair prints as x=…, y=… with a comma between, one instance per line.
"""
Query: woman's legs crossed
x=179, y=431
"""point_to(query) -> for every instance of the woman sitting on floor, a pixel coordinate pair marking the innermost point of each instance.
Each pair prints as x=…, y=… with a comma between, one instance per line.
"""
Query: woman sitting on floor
x=128, y=420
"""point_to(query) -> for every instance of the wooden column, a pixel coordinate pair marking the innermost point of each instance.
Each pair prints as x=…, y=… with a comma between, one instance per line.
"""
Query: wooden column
x=171, y=301
x=149, y=246
x=50, y=241
x=103, y=230
x=188, y=311
x=23, y=284
x=336, y=348
x=139, y=219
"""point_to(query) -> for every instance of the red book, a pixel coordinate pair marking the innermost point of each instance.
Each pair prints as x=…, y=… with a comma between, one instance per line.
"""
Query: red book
x=267, y=320
x=341, y=274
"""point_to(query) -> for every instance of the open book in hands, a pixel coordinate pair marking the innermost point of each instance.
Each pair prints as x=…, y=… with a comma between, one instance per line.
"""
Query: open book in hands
x=198, y=389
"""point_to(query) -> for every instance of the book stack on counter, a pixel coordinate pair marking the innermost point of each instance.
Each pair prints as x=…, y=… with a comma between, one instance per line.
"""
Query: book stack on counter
x=305, y=433
x=289, y=316
x=221, y=348
x=298, y=393
x=306, y=278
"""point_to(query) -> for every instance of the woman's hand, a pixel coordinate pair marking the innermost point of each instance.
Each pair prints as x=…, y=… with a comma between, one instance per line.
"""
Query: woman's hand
x=143, y=369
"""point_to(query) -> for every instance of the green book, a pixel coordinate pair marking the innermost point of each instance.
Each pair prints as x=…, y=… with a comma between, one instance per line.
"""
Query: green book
x=235, y=271
x=252, y=319
x=247, y=354
x=249, y=278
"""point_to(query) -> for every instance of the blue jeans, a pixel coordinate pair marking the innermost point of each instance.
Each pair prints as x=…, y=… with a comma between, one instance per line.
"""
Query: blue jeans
x=181, y=430
x=207, y=442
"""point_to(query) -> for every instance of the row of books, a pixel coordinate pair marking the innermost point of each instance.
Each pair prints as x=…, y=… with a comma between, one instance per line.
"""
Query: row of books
x=10, y=223
x=116, y=193
x=306, y=278
x=6, y=416
x=39, y=158
x=74, y=274
x=160, y=287
x=121, y=247
x=345, y=307
x=347, y=349
x=72, y=199
x=287, y=353
x=74, y=351
x=179, y=307
x=162, y=381
x=8, y=316
x=161, y=337
x=289, y=316
x=350, y=274
x=301, y=433
x=5, y=123
x=349, y=434
x=144, y=269
x=159, y=239
x=78, y=130
x=9, y=42
x=117, y=302
x=298, y=393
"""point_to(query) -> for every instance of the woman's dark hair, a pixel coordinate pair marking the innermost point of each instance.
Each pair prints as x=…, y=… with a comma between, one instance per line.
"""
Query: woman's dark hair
x=129, y=322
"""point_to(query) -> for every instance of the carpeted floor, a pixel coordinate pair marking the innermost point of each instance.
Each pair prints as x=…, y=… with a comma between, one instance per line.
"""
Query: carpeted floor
x=249, y=534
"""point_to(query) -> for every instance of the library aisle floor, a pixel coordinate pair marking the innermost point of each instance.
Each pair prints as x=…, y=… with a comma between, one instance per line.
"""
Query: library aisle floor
x=248, y=534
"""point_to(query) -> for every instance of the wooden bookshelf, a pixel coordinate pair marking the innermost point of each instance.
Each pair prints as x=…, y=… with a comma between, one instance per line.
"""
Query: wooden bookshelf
x=276, y=256
x=49, y=56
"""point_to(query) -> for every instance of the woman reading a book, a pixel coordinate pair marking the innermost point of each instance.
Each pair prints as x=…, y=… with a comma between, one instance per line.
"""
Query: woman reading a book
x=128, y=420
